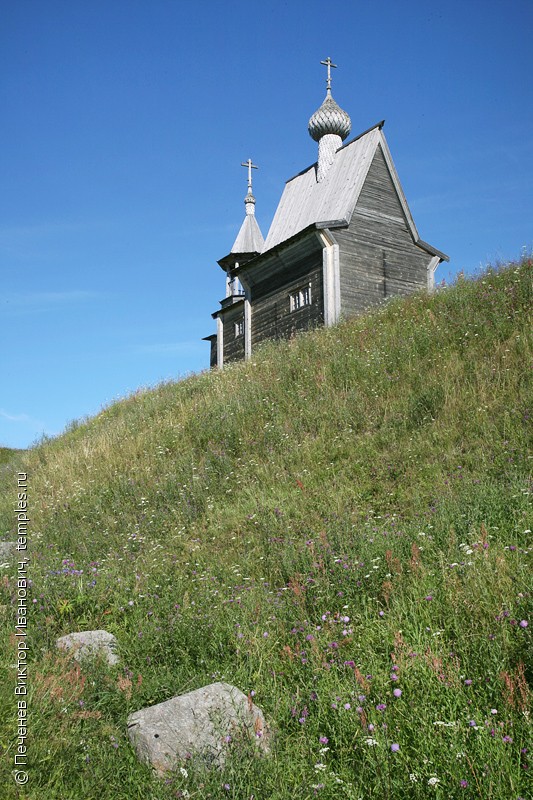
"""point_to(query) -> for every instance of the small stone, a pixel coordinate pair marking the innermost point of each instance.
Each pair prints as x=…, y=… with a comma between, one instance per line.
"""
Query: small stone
x=89, y=644
x=198, y=724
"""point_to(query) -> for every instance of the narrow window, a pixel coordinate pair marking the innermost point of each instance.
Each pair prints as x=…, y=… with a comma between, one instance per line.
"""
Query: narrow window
x=239, y=328
x=300, y=298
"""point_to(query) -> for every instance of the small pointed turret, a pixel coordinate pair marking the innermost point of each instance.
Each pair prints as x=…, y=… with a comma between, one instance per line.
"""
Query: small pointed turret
x=328, y=126
x=249, y=239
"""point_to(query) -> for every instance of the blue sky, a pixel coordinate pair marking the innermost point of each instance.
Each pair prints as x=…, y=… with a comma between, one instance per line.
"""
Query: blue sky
x=124, y=126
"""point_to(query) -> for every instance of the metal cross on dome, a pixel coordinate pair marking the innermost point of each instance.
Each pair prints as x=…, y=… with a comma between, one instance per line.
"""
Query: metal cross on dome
x=250, y=168
x=329, y=63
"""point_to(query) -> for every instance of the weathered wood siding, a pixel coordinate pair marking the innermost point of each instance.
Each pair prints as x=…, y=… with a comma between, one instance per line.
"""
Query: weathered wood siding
x=378, y=257
x=233, y=345
x=272, y=317
x=213, y=352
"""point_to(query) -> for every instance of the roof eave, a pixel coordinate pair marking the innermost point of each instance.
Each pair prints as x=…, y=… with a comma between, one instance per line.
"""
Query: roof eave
x=432, y=250
x=272, y=251
x=232, y=258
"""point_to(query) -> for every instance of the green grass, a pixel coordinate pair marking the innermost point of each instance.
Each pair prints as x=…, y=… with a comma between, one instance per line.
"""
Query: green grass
x=8, y=454
x=347, y=514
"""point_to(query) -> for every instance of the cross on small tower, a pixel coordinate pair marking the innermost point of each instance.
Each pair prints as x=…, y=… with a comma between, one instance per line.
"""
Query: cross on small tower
x=250, y=168
x=329, y=63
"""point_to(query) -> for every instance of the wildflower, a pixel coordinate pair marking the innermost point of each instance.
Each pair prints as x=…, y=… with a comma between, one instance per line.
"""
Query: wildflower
x=323, y=740
x=524, y=623
x=464, y=784
x=320, y=767
x=428, y=597
x=394, y=747
x=397, y=692
x=507, y=740
x=468, y=682
x=371, y=742
x=381, y=707
x=433, y=781
x=184, y=772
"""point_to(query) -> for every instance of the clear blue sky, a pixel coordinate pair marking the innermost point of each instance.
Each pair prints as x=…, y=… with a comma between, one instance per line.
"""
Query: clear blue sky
x=124, y=126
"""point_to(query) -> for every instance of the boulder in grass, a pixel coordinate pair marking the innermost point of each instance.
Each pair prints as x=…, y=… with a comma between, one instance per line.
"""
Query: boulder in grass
x=197, y=725
x=8, y=551
x=90, y=644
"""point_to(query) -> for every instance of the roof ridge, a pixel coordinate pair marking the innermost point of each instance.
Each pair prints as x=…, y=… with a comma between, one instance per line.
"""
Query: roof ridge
x=347, y=144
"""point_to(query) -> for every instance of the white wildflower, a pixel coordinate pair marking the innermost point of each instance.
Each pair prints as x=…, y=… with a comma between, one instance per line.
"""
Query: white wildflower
x=433, y=781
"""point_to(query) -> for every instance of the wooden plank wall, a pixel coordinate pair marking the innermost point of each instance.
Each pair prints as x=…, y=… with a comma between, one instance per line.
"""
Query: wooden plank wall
x=233, y=345
x=378, y=258
x=271, y=314
x=213, y=353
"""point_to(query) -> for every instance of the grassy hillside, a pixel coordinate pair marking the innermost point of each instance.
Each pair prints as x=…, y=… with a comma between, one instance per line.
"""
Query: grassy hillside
x=341, y=526
x=7, y=454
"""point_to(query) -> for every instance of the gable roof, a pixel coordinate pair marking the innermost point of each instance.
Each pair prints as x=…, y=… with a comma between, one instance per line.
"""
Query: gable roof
x=331, y=202
x=305, y=201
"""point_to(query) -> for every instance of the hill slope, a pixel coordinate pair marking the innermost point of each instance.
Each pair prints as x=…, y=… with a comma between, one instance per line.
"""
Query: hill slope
x=341, y=525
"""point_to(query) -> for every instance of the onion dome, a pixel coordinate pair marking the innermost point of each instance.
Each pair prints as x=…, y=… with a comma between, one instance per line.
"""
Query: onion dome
x=329, y=119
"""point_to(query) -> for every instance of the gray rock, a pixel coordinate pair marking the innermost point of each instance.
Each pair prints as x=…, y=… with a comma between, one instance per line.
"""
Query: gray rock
x=89, y=644
x=195, y=725
x=8, y=551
